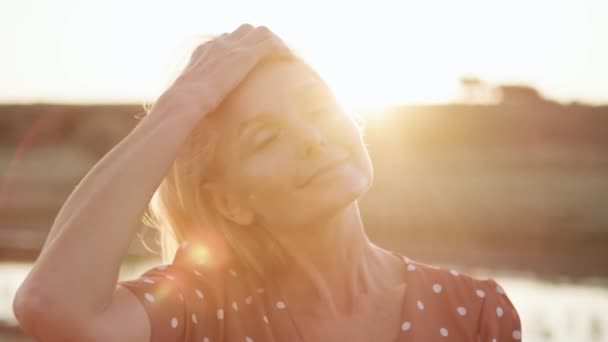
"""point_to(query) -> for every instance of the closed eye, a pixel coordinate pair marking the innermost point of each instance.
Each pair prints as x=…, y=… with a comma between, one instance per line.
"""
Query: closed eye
x=265, y=137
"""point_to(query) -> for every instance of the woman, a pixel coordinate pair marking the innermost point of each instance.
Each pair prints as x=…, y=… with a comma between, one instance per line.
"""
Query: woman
x=260, y=170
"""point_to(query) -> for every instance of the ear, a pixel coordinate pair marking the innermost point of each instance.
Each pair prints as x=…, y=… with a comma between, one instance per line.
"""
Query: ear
x=229, y=205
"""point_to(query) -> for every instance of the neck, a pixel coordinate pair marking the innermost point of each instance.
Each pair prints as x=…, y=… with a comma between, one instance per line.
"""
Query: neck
x=332, y=263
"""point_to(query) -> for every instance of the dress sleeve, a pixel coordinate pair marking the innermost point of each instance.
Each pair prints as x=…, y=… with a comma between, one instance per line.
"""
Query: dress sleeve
x=499, y=320
x=160, y=290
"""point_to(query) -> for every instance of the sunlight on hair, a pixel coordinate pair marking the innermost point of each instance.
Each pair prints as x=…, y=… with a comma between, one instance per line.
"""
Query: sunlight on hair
x=200, y=254
x=205, y=247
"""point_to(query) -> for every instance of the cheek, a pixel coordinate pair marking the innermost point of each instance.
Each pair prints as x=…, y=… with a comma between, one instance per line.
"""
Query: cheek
x=270, y=181
x=269, y=174
x=348, y=134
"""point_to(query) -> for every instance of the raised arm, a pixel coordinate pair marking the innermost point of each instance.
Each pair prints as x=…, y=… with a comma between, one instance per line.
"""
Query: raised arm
x=71, y=294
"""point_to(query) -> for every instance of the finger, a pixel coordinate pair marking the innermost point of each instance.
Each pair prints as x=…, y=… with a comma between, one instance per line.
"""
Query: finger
x=263, y=41
x=241, y=31
x=224, y=36
x=270, y=45
x=203, y=48
x=257, y=35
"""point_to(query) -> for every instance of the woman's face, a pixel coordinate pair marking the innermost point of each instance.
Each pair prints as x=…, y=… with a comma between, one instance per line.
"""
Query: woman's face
x=291, y=155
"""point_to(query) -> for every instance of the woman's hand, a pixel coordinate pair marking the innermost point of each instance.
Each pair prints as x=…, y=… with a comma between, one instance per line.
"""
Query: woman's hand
x=218, y=66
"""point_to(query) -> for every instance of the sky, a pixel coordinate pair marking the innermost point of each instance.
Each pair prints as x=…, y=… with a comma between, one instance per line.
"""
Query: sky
x=370, y=52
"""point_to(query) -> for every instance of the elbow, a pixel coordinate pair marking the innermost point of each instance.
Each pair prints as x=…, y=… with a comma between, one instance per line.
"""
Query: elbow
x=28, y=310
x=42, y=319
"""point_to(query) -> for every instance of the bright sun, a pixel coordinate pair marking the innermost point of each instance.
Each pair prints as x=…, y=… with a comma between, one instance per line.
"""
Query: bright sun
x=371, y=54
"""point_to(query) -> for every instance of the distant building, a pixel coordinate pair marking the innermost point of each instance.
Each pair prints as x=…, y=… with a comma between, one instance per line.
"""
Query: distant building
x=475, y=91
x=518, y=94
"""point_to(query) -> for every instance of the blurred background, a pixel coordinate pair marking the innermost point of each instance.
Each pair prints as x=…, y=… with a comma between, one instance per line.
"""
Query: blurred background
x=487, y=122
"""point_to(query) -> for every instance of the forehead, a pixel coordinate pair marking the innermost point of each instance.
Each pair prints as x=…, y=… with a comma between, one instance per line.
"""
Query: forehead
x=269, y=87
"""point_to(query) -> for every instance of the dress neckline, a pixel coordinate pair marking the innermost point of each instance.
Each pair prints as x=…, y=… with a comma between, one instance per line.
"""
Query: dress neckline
x=402, y=323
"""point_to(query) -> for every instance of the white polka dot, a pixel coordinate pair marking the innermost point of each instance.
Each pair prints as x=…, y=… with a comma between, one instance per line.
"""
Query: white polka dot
x=443, y=332
x=436, y=288
x=461, y=310
x=420, y=305
x=280, y=305
x=149, y=297
x=173, y=322
x=206, y=339
x=148, y=281
x=248, y=339
x=454, y=273
x=259, y=290
x=185, y=244
x=235, y=306
x=411, y=267
x=194, y=320
x=197, y=273
x=220, y=313
x=265, y=319
x=248, y=300
x=233, y=272
x=199, y=293
x=180, y=297
x=406, y=326
x=499, y=311
x=517, y=334
x=481, y=293
x=499, y=289
x=170, y=277
x=493, y=340
x=161, y=267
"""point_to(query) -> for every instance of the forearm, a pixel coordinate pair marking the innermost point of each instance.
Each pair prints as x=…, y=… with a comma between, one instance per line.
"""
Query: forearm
x=78, y=268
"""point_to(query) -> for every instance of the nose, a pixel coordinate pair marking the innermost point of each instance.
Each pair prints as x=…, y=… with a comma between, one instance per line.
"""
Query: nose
x=313, y=143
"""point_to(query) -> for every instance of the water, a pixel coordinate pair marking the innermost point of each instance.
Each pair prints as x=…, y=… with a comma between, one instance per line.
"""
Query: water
x=549, y=311
x=565, y=311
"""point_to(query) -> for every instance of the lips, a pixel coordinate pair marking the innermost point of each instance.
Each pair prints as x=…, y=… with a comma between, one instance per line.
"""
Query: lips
x=321, y=171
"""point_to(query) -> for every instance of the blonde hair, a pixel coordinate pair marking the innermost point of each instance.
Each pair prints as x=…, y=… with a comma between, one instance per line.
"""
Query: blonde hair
x=181, y=206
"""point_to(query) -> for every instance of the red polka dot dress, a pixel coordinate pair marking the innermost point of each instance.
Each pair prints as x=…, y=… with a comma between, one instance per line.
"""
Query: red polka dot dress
x=186, y=301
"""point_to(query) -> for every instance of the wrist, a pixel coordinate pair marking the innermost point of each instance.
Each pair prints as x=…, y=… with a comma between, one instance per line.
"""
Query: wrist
x=175, y=106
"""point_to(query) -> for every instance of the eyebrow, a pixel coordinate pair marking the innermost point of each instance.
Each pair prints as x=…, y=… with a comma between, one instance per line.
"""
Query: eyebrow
x=302, y=95
x=312, y=91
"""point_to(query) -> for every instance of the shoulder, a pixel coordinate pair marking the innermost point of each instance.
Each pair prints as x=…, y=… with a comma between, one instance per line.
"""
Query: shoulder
x=189, y=298
x=177, y=299
x=480, y=305
x=170, y=282
x=440, y=279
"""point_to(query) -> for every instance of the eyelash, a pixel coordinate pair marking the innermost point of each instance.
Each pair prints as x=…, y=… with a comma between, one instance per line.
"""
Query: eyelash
x=270, y=138
x=324, y=112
